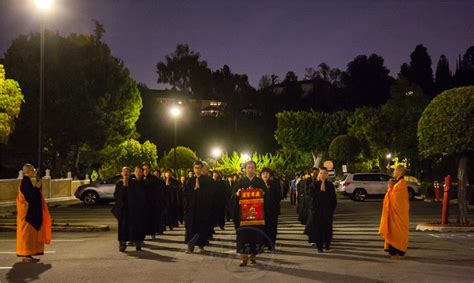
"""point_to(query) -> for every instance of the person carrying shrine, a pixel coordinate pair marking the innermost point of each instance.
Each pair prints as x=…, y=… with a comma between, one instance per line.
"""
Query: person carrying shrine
x=251, y=203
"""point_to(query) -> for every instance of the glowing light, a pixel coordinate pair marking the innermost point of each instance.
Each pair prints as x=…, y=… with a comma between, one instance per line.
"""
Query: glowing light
x=245, y=157
x=43, y=4
x=389, y=156
x=175, y=112
x=216, y=152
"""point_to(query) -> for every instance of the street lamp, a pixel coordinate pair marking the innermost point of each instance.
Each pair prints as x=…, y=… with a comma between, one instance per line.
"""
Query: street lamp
x=245, y=157
x=389, y=155
x=43, y=6
x=216, y=153
x=175, y=113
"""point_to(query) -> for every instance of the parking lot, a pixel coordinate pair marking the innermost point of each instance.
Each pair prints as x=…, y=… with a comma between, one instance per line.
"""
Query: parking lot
x=357, y=254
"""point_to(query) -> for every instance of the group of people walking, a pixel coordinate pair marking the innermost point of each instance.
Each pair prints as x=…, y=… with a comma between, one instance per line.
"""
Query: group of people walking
x=148, y=203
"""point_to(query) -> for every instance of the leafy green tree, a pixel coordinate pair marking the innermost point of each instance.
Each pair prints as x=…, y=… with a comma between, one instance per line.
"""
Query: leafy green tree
x=310, y=131
x=344, y=149
x=90, y=99
x=400, y=115
x=446, y=128
x=129, y=153
x=230, y=164
x=11, y=100
x=184, y=158
x=184, y=70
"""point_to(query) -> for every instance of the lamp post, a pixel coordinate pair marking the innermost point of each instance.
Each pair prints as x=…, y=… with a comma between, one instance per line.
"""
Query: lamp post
x=175, y=112
x=43, y=6
x=216, y=153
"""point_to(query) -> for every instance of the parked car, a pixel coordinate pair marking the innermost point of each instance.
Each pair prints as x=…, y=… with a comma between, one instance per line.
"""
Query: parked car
x=103, y=191
x=360, y=186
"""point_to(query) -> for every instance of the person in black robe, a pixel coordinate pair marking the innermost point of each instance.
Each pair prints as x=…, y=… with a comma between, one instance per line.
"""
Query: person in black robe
x=154, y=190
x=323, y=204
x=170, y=215
x=305, y=197
x=197, y=209
x=219, y=200
x=310, y=183
x=271, y=218
x=129, y=209
x=229, y=184
x=301, y=204
x=180, y=200
x=250, y=239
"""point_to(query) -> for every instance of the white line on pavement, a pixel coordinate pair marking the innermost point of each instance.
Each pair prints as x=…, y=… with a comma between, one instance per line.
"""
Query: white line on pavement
x=5, y=267
x=59, y=240
x=46, y=252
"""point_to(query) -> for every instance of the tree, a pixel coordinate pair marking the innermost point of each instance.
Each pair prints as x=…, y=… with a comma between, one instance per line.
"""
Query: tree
x=129, y=153
x=11, y=100
x=446, y=128
x=419, y=71
x=465, y=71
x=400, y=117
x=344, y=149
x=374, y=134
x=184, y=158
x=367, y=80
x=264, y=82
x=290, y=78
x=185, y=71
x=309, y=131
x=444, y=78
x=90, y=99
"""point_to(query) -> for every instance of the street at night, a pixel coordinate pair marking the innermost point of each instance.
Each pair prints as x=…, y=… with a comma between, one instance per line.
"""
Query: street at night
x=356, y=256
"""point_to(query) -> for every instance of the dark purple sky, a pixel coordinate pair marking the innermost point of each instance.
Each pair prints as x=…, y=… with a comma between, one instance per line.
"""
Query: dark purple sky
x=257, y=37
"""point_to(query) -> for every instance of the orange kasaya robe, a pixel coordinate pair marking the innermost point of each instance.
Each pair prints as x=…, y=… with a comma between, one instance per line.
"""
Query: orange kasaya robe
x=394, y=223
x=30, y=240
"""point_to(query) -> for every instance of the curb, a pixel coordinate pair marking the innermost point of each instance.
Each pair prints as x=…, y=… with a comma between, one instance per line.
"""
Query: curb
x=427, y=227
x=64, y=228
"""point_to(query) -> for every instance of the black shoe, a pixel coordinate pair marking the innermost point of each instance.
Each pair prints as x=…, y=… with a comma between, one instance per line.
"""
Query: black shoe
x=138, y=247
x=190, y=250
x=327, y=248
x=122, y=248
x=320, y=250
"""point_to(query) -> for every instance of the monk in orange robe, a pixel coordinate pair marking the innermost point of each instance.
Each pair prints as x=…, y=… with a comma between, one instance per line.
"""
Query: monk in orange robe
x=33, y=221
x=394, y=224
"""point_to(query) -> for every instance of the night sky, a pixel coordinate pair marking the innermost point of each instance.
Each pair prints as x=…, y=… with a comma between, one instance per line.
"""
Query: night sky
x=257, y=37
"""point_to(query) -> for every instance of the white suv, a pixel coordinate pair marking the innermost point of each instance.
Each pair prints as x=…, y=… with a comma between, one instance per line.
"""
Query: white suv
x=359, y=186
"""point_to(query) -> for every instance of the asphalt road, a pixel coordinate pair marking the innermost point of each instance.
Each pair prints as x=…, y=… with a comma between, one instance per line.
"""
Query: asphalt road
x=357, y=253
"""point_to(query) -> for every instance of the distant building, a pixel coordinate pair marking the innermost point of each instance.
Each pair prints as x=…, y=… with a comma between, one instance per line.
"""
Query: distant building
x=307, y=86
x=205, y=107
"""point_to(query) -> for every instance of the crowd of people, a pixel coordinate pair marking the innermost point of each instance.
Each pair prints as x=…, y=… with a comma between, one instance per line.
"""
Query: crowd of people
x=149, y=202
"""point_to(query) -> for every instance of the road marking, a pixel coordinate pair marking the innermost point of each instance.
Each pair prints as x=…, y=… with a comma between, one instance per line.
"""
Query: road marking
x=453, y=236
x=48, y=252
x=59, y=240
x=5, y=267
